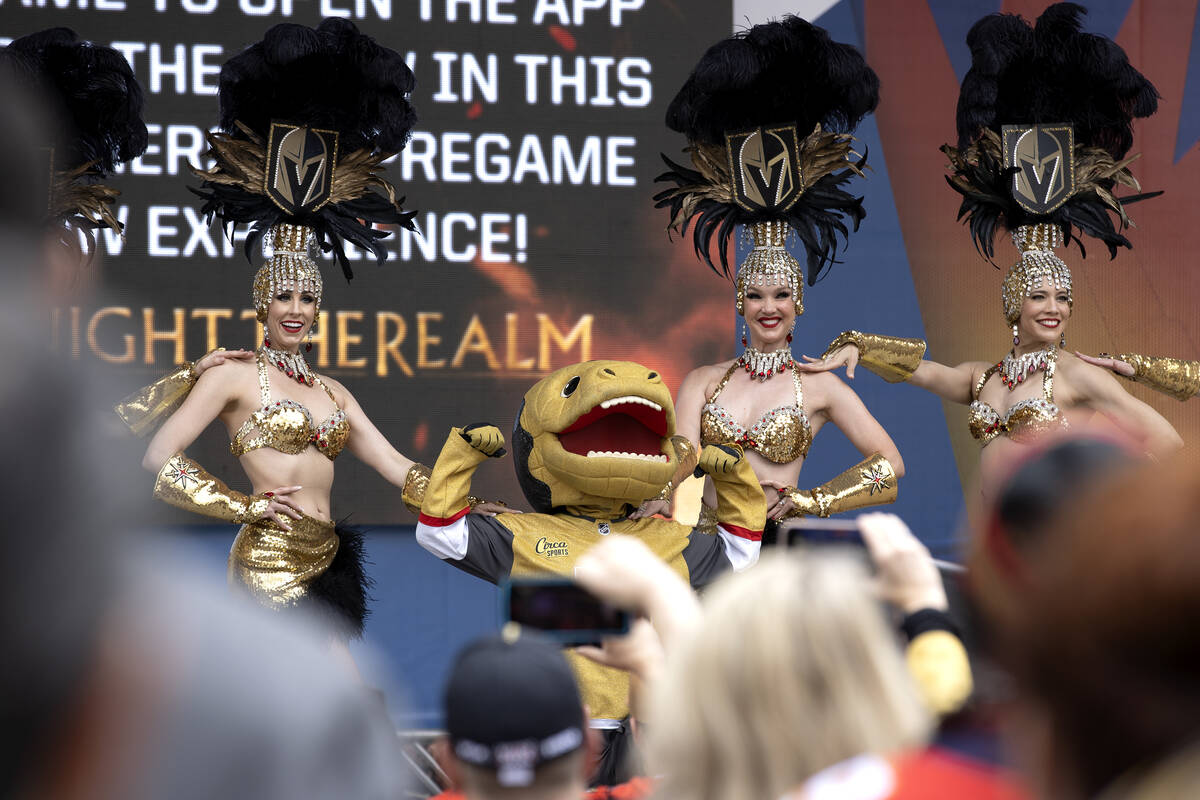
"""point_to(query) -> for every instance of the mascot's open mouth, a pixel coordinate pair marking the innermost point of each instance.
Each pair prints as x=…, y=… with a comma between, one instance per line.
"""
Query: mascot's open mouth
x=621, y=427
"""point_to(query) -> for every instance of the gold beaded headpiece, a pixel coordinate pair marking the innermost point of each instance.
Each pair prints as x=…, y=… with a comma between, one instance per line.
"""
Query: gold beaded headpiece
x=289, y=250
x=770, y=264
x=1038, y=263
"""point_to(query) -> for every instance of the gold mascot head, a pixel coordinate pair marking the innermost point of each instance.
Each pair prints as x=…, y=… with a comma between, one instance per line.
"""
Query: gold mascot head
x=595, y=435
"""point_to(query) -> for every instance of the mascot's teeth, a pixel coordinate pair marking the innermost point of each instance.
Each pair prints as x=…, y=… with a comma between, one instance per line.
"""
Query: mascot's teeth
x=630, y=399
x=614, y=454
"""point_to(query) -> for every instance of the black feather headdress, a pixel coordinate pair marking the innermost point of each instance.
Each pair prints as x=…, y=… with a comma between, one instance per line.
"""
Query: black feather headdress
x=97, y=103
x=1046, y=74
x=332, y=81
x=784, y=74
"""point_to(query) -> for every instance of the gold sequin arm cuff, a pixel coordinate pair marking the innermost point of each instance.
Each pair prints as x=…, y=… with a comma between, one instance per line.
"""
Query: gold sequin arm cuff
x=871, y=482
x=938, y=664
x=890, y=357
x=686, y=458
x=415, y=484
x=1173, y=376
x=185, y=484
x=147, y=408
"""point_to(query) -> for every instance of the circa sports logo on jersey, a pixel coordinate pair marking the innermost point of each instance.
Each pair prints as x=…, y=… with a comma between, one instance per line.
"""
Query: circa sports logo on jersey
x=1043, y=157
x=300, y=164
x=764, y=164
x=550, y=549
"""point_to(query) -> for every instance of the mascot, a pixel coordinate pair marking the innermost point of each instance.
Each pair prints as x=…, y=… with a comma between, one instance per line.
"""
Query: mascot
x=591, y=442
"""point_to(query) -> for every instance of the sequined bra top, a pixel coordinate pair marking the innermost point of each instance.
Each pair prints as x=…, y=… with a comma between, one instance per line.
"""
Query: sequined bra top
x=1026, y=419
x=287, y=426
x=781, y=435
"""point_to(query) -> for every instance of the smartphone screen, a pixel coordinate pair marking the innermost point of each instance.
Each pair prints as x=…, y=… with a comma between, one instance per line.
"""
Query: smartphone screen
x=813, y=533
x=562, y=609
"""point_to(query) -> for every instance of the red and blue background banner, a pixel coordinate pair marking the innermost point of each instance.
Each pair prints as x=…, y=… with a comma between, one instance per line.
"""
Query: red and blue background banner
x=532, y=168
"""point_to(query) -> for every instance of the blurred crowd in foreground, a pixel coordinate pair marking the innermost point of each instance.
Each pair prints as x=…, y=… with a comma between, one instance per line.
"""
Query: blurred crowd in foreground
x=125, y=676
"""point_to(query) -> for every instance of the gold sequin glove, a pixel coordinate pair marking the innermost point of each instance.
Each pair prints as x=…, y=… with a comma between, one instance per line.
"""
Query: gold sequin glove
x=147, y=408
x=185, y=484
x=1173, y=376
x=871, y=482
x=686, y=458
x=890, y=357
x=415, y=484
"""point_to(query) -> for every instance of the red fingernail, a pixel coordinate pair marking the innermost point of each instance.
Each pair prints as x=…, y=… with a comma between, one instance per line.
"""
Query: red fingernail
x=268, y=494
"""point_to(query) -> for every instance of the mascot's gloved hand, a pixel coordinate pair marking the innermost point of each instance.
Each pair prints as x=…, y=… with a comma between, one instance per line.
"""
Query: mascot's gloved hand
x=447, y=493
x=740, y=500
x=718, y=460
x=485, y=438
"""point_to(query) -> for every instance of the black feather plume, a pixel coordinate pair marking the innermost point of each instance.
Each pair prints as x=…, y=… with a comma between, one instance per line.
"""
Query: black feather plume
x=779, y=73
x=1050, y=72
x=785, y=71
x=93, y=92
x=819, y=217
x=330, y=77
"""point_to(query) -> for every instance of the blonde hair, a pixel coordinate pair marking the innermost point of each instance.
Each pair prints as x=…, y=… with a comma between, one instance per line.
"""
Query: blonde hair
x=795, y=670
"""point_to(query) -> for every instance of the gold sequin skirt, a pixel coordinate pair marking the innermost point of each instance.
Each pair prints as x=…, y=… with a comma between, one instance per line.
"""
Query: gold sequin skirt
x=316, y=565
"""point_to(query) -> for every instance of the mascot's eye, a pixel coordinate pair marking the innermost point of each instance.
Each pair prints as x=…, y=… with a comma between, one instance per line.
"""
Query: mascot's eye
x=571, y=386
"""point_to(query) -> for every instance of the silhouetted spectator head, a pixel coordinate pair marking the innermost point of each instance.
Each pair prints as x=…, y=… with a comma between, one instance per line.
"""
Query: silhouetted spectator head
x=515, y=720
x=1103, y=645
x=1022, y=515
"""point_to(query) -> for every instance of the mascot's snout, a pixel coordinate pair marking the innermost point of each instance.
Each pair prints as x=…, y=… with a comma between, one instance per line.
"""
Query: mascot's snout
x=595, y=435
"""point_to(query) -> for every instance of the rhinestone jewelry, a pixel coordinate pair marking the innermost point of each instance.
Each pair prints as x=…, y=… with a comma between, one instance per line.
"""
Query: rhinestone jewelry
x=291, y=364
x=289, y=250
x=769, y=263
x=762, y=366
x=1015, y=369
x=1038, y=262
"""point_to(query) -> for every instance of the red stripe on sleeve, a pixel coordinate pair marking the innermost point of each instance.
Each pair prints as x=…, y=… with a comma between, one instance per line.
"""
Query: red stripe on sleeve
x=741, y=533
x=441, y=522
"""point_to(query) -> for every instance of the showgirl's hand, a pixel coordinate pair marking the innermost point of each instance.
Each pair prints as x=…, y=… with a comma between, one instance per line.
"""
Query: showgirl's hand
x=282, y=506
x=651, y=507
x=220, y=356
x=846, y=356
x=491, y=508
x=783, y=504
x=1107, y=362
x=485, y=438
x=907, y=577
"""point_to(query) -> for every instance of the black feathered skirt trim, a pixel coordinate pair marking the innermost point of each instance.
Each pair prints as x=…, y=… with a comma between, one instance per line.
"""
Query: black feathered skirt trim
x=316, y=566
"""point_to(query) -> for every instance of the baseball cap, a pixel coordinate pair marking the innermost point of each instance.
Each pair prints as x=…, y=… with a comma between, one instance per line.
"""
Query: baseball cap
x=512, y=704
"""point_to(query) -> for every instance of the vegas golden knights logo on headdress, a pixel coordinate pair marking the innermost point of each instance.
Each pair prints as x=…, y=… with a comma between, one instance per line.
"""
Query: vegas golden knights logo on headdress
x=1044, y=156
x=300, y=164
x=765, y=166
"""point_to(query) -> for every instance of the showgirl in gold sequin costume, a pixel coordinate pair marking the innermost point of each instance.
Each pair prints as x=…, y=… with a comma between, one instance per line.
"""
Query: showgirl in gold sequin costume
x=768, y=114
x=298, y=158
x=1040, y=159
